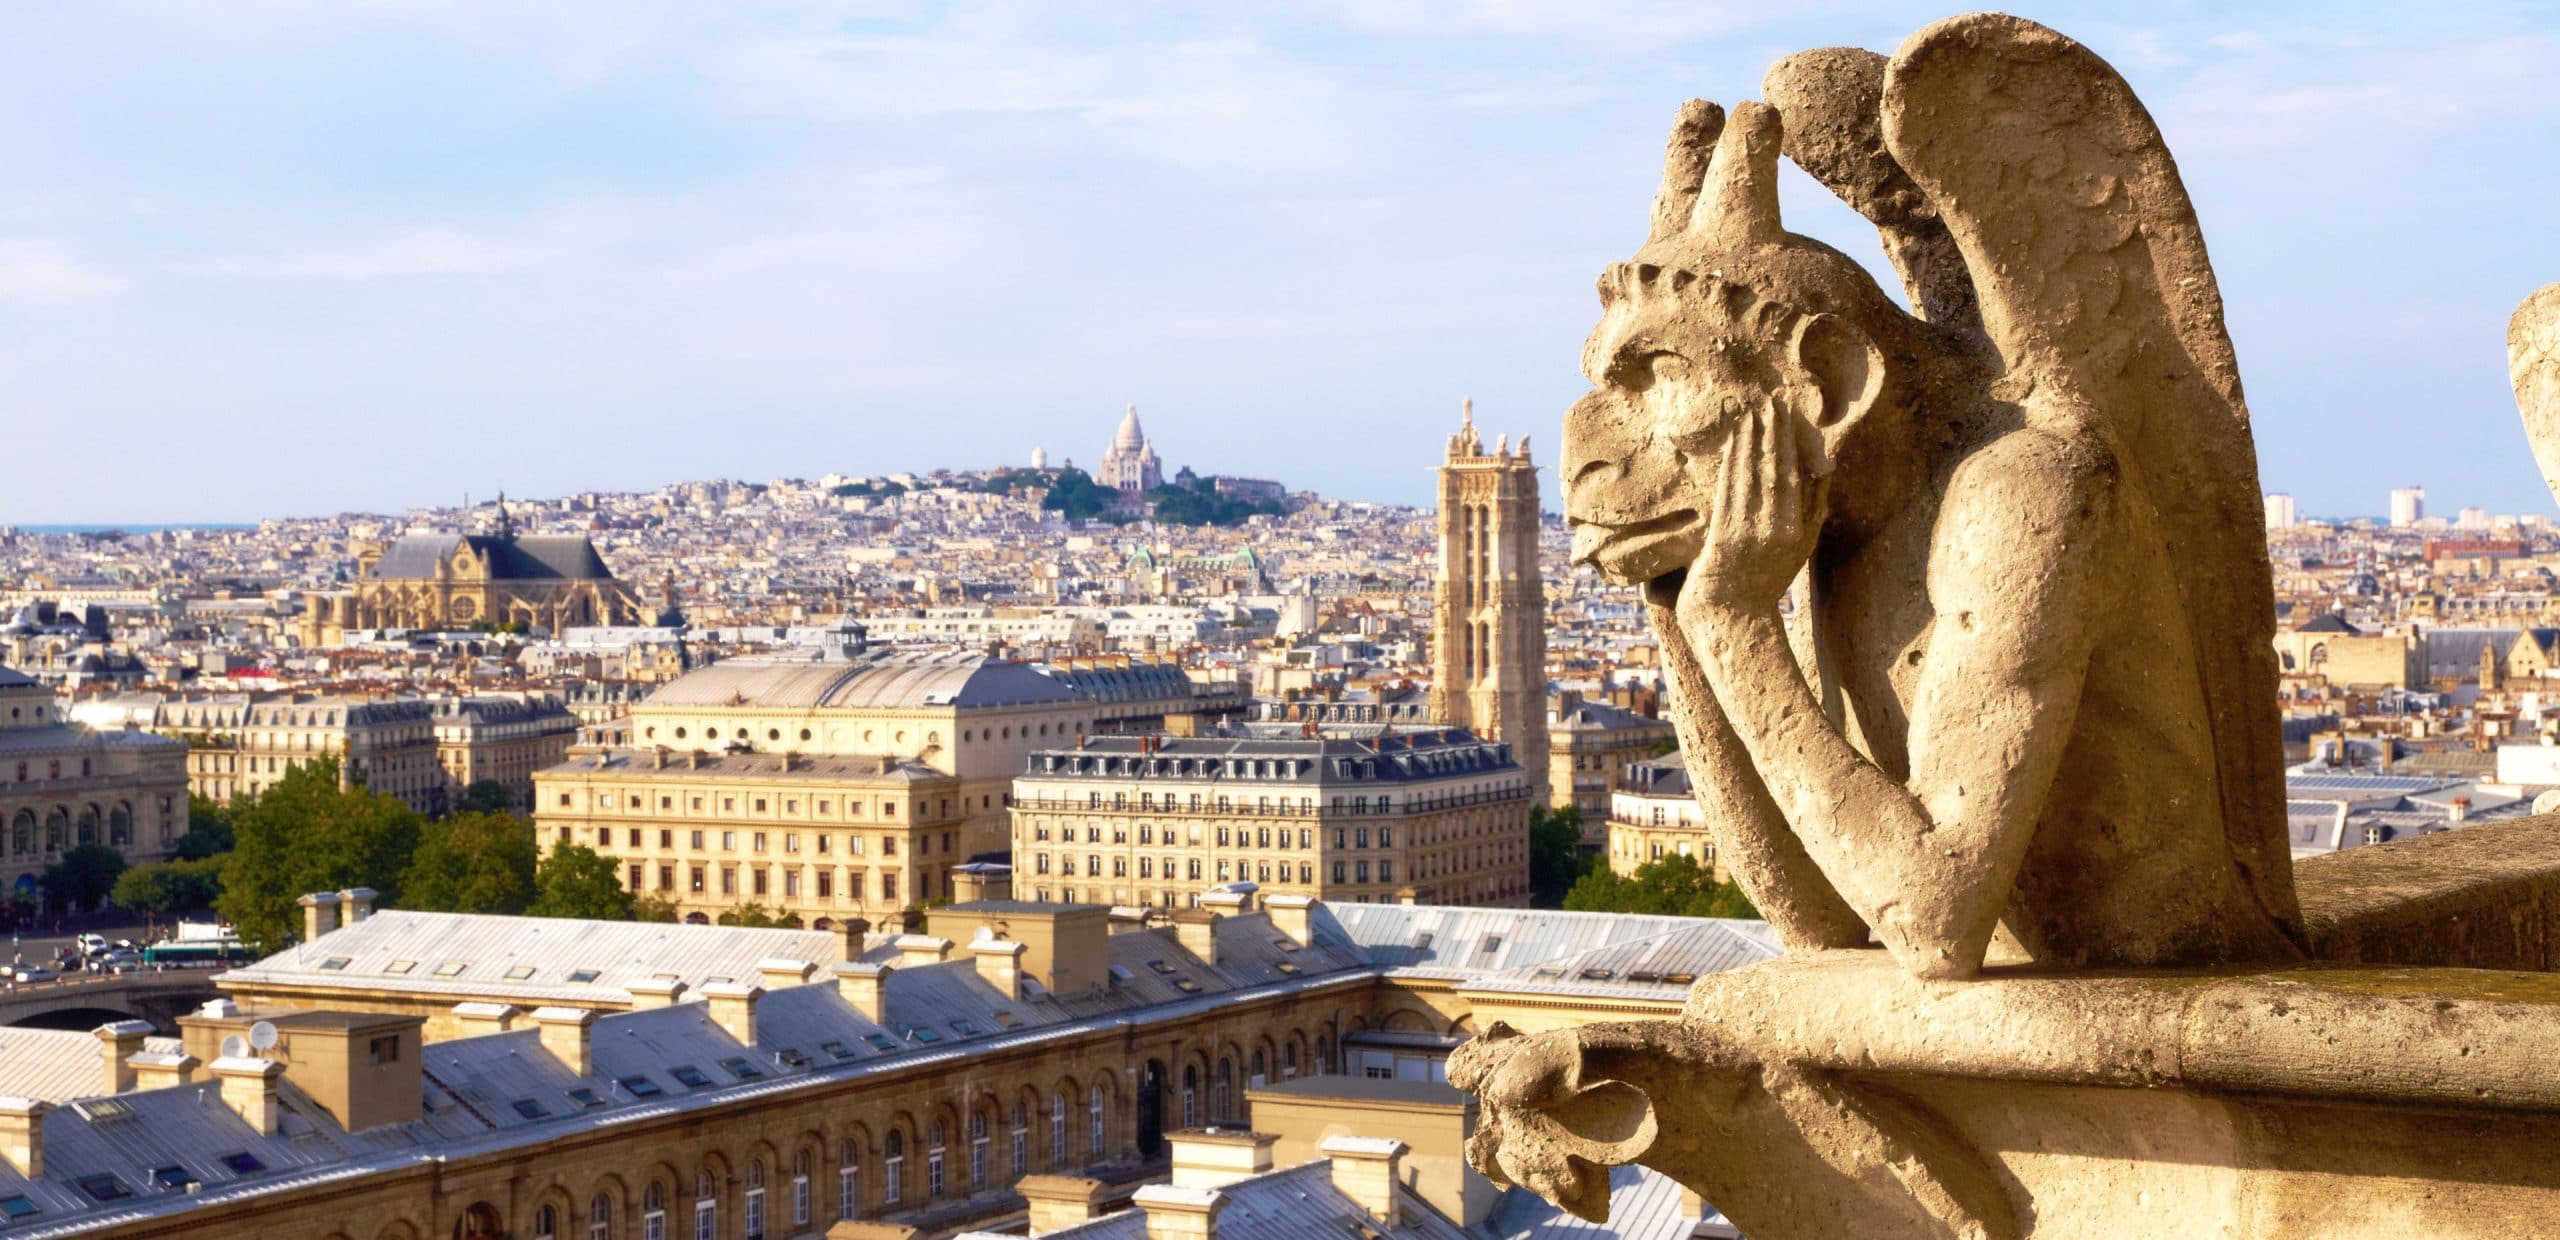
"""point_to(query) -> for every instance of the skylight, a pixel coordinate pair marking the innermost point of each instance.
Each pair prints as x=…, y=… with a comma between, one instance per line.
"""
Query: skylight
x=519, y=973
x=451, y=968
x=400, y=966
x=1008, y=1019
x=791, y=1056
x=97, y=1109
x=835, y=1049
x=880, y=1041
x=584, y=975
x=530, y=1109
x=335, y=963
x=966, y=1029
x=1120, y=974
x=103, y=1186
x=922, y=1034
x=173, y=1176
x=585, y=1097
x=689, y=1076
x=742, y=1069
x=1161, y=967
x=641, y=1087
x=16, y=1206
x=241, y=1162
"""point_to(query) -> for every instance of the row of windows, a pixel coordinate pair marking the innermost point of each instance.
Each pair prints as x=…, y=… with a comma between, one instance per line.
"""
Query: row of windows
x=757, y=841
x=760, y=882
x=636, y=803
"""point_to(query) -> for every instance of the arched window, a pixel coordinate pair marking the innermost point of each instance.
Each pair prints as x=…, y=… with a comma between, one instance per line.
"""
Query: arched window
x=1190, y=1096
x=706, y=1207
x=600, y=1218
x=849, y=1181
x=120, y=824
x=1057, y=1130
x=893, y=1165
x=977, y=1149
x=755, y=1199
x=1021, y=1164
x=1093, y=1138
x=1218, y=1112
x=1261, y=1066
x=933, y=1161
x=546, y=1223
x=1289, y=1062
x=653, y=1213
x=800, y=1189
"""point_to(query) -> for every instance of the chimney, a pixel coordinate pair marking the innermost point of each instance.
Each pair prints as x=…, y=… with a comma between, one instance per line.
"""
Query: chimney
x=1180, y=1213
x=249, y=1089
x=2461, y=811
x=857, y=934
x=1365, y=1170
x=118, y=1043
x=319, y=914
x=779, y=972
x=355, y=904
x=654, y=992
x=1227, y=903
x=569, y=1035
x=473, y=1019
x=1292, y=917
x=916, y=949
x=1000, y=963
x=865, y=987
x=22, y=1134
x=1196, y=929
x=1217, y=1157
x=1060, y=1200
x=733, y=1008
x=162, y=1069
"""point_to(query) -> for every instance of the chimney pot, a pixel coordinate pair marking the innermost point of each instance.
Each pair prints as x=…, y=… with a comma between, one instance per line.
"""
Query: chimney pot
x=1058, y=1201
x=779, y=972
x=249, y=1089
x=569, y=1035
x=655, y=992
x=916, y=949
x=733, y=1008
x=1293, y=917
x=119, y=1042
x=1217, y=1157
x=1197, y=930
x=22, y=1134
x=999, y=962
x=355, y=904
x=1365, y=1169
x=162, y=1069
x=476, y=1018
x=1180, y=1213
x=865, y=986
x=319, y=914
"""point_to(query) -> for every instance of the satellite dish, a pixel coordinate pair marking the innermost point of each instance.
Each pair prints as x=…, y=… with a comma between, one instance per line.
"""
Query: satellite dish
x=263, y=1036
x=235, y=1047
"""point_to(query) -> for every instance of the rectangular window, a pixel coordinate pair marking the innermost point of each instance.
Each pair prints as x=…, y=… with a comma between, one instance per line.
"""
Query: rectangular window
x=729, y=882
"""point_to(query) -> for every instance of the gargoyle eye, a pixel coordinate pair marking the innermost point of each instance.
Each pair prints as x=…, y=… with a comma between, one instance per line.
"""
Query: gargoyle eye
x=1638, y=369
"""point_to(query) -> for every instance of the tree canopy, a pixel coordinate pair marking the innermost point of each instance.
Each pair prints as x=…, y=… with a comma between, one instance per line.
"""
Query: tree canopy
x=83, y=877
x=573, y=881
x=1675, y=886
x=474, y=862
x=485, y=796
x=307, y=834
x=208, y=829
x=1074, y=494
x=1556, y=859
x=172, y=887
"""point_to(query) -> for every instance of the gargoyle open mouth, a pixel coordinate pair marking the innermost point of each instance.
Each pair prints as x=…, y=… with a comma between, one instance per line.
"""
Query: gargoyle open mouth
x=1638, y=553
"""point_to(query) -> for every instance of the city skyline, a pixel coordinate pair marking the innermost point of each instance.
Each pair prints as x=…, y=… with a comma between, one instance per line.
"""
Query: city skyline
x=253, y=255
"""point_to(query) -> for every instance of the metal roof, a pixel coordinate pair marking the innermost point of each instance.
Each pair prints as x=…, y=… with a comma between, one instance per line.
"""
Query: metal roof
x=57, y=1065
x=890, y=682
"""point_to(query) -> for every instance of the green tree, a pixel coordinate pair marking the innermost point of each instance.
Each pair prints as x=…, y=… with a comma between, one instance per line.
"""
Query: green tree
x=1556, y=859
x=172, y=887
x=654, y=908
x=474, y=862
x=1675, y=886
x=85, y=875
x=308, y=834
x=574, y=882
x=485, y=796
x=756, y=916
x=1076, y=496
x=208, y=829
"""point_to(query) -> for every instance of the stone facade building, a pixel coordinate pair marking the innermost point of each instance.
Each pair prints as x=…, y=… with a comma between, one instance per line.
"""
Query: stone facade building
x=457, y=581
x=1489, y=639
x=1431, y=816
x=501, y=737
x=1590, y=746
x=62, y=786
x=933, y=1084
x=1653, y=813
x=239, y=745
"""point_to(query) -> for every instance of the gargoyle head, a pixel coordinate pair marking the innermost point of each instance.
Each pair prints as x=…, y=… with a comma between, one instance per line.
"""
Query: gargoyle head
x=1721, y=313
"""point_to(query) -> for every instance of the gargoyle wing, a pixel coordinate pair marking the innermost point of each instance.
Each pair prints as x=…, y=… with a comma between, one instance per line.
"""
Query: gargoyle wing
x=2095, y=289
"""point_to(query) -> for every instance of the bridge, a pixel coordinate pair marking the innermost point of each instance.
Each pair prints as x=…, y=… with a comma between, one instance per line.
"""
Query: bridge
x=86, y=1001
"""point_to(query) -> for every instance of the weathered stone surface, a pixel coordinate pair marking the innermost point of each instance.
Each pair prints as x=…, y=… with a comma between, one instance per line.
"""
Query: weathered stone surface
x=2533, y=362
x=2029, y=708
x=2019, y=726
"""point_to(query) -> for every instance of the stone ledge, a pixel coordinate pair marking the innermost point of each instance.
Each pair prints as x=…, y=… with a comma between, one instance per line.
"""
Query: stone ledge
x=2462, y=1037
x=2484, y=896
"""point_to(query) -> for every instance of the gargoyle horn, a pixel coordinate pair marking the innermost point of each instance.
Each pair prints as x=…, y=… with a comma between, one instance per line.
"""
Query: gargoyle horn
x=1738, y=200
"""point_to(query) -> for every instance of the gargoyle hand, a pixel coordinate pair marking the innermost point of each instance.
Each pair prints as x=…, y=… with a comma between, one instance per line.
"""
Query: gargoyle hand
x=1546, y=1126
x=1765, y=513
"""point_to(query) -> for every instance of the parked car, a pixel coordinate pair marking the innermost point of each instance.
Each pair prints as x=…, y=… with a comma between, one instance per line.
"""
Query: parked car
x=91, y=944
x=32, y=973
x=118, y=960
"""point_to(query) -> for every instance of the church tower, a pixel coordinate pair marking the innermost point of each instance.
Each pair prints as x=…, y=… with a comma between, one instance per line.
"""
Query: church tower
x=1489, y=639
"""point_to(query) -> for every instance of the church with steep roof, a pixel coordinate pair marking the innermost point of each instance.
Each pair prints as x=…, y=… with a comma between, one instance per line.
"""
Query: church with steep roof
x=461, y=581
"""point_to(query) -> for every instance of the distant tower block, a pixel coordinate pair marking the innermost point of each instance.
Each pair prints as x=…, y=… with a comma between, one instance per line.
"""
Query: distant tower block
x=1039, y=458
x=2408, y=506
x=1489, y=640
x=2280, y=512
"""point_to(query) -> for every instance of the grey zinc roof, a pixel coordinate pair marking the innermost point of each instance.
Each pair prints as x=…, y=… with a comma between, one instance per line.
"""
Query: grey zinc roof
x=1472, y=941
x=57, y=1065
x=1292, y=1203
x=529, y=557
x=488, y=948
x=1644, y=1204
x=1412, y=755
x=892, y=681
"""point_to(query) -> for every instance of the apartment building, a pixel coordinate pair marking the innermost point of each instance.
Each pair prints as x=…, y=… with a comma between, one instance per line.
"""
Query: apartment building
x=62, y=786
x=239, y=745
x=1434, y=816
x=1654, y=814
x=821, y=838
x=501, y=737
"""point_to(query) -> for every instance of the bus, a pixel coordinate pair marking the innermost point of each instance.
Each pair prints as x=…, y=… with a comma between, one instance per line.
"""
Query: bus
x=197, y=955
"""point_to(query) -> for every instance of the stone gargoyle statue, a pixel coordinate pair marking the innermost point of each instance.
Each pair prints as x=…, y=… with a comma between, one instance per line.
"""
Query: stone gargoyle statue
x=2024, y=707
x=2533, y=362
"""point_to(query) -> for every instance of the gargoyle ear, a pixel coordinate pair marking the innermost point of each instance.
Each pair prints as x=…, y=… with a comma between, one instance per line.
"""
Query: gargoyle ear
x=1849, y=370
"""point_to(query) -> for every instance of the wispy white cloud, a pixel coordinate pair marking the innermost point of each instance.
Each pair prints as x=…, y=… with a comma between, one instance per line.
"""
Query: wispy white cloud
x=35, y=270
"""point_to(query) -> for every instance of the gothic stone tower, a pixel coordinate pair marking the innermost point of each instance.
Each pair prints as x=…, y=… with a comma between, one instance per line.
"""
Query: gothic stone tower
x=1489, y=647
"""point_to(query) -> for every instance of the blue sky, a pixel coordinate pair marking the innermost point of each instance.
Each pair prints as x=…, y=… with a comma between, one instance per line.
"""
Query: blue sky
x=260, y=258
